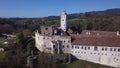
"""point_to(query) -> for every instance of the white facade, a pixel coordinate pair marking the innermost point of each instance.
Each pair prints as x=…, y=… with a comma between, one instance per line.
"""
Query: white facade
x=98, y=54
x=49, y=43
x=64, y=21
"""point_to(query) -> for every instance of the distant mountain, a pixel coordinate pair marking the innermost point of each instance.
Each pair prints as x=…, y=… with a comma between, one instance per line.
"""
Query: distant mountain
x=107, y=20
x=114, y=11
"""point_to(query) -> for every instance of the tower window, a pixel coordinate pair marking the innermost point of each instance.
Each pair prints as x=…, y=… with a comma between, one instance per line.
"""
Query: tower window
x=46, y=28
x=62, y=19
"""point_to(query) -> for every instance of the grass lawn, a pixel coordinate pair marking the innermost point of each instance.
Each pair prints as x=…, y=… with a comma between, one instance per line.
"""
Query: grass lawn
x=84, y=64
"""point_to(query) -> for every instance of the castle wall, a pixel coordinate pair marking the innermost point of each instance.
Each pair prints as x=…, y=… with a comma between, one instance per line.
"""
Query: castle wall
x=44, y=43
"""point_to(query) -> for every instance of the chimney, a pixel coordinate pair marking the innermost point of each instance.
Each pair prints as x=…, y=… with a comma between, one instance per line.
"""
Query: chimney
x=118, y=33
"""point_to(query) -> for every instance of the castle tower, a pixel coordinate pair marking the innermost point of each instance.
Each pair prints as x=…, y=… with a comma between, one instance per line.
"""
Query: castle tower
x=64, y=21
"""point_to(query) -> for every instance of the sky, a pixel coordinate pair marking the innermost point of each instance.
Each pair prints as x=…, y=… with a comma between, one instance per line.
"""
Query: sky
x=43, y=8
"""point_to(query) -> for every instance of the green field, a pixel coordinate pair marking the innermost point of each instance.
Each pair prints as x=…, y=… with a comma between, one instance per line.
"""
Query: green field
x=84, y=64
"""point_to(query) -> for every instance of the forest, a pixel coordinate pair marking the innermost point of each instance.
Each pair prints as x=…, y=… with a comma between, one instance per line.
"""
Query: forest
x=107, y=20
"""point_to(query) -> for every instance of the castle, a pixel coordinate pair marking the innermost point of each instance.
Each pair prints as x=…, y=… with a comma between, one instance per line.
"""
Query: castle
x=95, y=46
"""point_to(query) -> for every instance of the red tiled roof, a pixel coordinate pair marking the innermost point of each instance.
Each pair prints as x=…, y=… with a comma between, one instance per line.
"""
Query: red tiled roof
x=103, y=39
x=104, y=33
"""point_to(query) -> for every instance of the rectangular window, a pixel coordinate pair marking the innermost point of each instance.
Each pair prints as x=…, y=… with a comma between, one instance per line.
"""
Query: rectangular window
x=85, y=48
x=114, y=49
x=78, y=47
x=95, y=48
x=110, y=49
x=81, y=47
x=105, y=49
x=118, y=49
x=102, y=49
x=88, y=48
x=75, y=46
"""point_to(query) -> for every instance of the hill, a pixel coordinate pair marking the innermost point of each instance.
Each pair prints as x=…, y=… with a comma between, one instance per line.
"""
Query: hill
x=107, y=20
